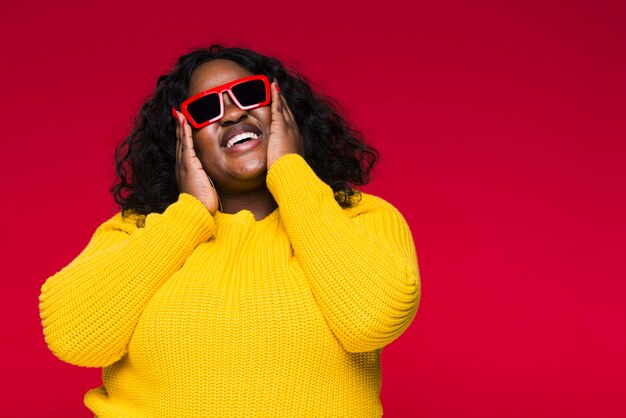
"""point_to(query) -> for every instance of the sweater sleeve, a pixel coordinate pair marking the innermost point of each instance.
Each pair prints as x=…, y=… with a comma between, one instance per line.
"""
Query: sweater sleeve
x=90, y=308
x=360, y=263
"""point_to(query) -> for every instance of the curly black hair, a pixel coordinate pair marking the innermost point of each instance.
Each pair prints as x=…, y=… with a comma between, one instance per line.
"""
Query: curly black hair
x=145, y=160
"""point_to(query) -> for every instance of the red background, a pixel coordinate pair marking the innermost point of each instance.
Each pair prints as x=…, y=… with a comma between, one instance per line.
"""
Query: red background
x=502, y=133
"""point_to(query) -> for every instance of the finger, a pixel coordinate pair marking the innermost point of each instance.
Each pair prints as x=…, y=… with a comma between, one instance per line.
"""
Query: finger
x=186, y=138
x=179, y=142
x=287, y=111
x=179, y=161
x=176, y=132
x=179, y=150
x=276, y=103
x=182, y=130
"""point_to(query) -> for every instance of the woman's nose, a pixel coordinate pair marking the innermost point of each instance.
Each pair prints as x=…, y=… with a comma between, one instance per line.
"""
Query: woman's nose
x=232, y=113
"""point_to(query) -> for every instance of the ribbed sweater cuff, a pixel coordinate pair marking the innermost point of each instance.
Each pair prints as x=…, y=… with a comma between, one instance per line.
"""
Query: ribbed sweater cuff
x=190, y=218
x=287, y=174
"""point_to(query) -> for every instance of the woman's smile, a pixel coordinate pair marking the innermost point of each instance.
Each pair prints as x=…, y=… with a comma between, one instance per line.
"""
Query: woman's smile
x=240, y=134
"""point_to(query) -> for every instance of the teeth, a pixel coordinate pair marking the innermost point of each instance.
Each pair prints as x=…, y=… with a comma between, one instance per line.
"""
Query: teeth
x=244, y=135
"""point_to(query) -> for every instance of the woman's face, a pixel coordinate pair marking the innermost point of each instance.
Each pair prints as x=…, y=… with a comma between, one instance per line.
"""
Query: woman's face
x=239, y=168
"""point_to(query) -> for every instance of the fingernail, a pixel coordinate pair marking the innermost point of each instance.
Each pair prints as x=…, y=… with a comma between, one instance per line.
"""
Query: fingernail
x=174, y=113
x=276, y=84
x=183, y=123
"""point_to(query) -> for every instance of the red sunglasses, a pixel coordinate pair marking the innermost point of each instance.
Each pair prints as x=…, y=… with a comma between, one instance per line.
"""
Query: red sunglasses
x=207, y=107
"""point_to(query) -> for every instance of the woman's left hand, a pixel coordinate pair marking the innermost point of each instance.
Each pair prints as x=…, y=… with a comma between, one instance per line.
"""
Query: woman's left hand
x=285, y=136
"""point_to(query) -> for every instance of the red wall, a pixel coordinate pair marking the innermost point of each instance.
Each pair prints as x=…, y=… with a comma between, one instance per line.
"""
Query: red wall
x=502, y=135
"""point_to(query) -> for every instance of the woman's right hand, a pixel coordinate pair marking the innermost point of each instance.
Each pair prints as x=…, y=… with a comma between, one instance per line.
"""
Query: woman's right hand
x=190, y=175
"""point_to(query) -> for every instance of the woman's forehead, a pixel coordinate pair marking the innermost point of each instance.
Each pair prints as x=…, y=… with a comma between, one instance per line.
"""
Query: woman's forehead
x=215, y=73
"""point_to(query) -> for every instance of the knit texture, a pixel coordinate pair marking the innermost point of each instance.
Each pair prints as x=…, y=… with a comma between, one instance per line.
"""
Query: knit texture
x=191, y=314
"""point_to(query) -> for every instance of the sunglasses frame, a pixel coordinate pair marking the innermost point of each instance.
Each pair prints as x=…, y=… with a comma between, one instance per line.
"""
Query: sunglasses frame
x=219, y=90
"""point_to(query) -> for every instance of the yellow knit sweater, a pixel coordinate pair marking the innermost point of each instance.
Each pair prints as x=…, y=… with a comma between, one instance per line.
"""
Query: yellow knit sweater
x=191, y=314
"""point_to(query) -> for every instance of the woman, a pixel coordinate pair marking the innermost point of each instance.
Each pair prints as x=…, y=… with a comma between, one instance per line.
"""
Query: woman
x=244, y=275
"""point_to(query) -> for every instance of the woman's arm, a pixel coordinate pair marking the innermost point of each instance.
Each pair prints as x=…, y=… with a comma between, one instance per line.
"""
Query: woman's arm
x=362, y=270
x=90, y=308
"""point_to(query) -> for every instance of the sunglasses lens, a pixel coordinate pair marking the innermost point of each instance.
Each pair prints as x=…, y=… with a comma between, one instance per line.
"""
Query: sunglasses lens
x=205, y=108
x=250, y=93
